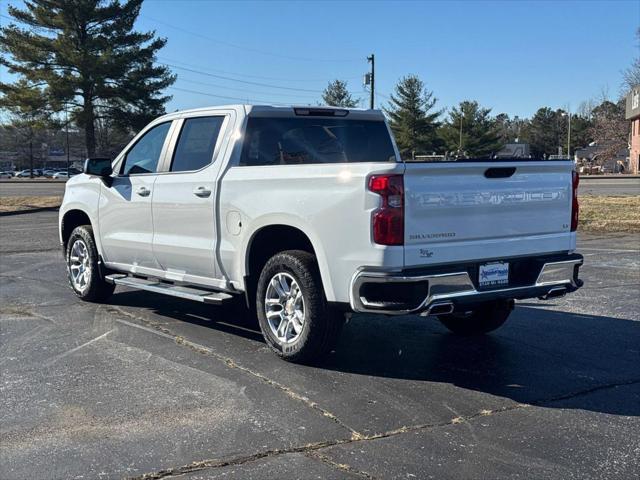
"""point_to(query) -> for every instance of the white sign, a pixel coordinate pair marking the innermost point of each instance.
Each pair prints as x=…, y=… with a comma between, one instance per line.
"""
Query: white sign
x=494, y=274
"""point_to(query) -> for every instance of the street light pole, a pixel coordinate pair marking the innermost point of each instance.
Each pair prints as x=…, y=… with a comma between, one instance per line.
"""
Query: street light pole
x=569, y=138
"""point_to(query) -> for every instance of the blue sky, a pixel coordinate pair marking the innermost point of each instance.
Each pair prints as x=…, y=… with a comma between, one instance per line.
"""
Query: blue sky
x=511, y=56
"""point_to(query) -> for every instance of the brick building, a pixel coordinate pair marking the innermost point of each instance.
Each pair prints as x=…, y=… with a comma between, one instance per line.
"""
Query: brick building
x=633, y=115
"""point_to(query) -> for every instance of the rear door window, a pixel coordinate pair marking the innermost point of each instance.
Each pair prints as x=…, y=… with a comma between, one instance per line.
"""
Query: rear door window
x=295, y=141
x=196, y=143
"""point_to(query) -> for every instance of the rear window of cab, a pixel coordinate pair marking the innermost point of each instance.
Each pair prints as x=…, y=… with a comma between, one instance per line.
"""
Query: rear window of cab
x=305, y=141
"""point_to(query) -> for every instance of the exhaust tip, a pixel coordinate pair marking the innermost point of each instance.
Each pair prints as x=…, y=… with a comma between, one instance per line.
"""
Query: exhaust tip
x=440, y=308
x=555, y=293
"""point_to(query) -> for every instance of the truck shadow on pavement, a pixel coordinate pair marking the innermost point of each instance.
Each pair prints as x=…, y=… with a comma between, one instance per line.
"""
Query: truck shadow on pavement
x=551, y=358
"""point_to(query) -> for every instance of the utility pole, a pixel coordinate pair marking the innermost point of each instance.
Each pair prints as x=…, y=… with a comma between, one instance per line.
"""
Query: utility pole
x=371, y=59
x=460, y=145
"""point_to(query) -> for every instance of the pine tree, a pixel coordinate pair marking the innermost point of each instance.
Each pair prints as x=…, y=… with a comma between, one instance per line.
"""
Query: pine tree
x=413, y=120
x=480, y=134
x=88, y=55
x=546, y=132
x=337, y=95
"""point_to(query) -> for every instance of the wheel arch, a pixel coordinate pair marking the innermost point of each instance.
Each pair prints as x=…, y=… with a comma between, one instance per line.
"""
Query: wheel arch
x=270, y=239
x=71, y=219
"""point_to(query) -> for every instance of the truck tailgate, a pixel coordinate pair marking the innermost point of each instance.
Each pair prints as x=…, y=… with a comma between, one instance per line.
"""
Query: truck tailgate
x=467, y=211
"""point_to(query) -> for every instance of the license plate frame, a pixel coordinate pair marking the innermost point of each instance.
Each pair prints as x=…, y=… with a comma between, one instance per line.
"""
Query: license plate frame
x=493, y=274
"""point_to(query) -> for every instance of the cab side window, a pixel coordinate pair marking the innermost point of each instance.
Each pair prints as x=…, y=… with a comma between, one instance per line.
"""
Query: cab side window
x=145, y=154
x=196, y=143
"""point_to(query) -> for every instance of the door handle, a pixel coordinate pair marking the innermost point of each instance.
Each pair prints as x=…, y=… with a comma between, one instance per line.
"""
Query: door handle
x=201, y=191
x=143, y=191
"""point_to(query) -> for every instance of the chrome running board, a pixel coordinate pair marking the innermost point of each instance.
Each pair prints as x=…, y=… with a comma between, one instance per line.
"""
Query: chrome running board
x=156, y=286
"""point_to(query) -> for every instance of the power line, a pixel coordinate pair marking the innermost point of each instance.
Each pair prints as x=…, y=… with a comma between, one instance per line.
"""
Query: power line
x=298, y=95
x=241, y=99
x=249, y=49
x=284, y=79
x=259, y=84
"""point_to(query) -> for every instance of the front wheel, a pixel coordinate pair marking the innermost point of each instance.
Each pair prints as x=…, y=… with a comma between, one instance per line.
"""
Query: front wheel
x=294, y=317
x=484, y=318
x=83, y=268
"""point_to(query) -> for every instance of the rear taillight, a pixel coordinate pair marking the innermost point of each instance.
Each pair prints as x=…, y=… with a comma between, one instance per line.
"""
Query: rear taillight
x=388, y=220
x=575, y=208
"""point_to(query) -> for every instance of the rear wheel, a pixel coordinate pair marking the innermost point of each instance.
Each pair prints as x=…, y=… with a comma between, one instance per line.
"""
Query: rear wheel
x=83, y=268
x=484, y=318
x=294, y=317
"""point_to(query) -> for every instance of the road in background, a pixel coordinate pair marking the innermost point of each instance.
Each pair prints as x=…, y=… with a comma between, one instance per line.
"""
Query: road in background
x=156, y=385
x=44, y=188
x=588, y=186
x=609, y=186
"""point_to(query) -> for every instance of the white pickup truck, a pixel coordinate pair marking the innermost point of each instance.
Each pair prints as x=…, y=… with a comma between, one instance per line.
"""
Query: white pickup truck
x=310, y=214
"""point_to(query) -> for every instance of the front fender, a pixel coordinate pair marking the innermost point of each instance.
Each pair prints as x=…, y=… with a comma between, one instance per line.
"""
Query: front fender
x=82, y=193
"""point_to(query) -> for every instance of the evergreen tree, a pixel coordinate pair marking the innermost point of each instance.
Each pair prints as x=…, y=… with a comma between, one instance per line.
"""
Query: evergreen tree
x=547, y=132
x=337, y=95
x=480, y=134
x=543, y=133
x=413, y=120
x=508, y=128
x=88, y=54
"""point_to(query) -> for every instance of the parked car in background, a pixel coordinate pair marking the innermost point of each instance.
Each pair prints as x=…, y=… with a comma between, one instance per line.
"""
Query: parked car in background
x=25, y=174
x=6, y=174
x=63, y=174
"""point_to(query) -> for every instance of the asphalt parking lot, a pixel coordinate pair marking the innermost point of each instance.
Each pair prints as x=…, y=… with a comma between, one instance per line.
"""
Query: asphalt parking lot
x=156, y=387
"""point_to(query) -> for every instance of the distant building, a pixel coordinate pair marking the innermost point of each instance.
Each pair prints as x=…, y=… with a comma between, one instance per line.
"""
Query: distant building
x=515, y=150
x=589, y=160
x=633, y=115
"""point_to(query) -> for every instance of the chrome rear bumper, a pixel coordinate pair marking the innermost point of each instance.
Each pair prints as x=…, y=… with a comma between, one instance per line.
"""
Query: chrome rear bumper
x=445, y=291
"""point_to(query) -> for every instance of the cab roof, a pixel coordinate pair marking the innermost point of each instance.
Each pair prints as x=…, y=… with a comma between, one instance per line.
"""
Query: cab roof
x=280, y=111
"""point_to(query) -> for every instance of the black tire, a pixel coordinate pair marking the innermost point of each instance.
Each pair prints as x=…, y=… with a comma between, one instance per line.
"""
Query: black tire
x=484, y=318
x=322, y=324
x=95, y=289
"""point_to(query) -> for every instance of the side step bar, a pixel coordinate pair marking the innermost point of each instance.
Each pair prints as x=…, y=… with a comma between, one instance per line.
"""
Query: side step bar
x=190, y=293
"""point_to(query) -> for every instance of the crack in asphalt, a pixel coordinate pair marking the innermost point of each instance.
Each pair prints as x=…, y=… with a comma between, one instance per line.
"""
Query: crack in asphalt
x=312, y=449
x=580, y=393
x=343, y=467
x=201, y=349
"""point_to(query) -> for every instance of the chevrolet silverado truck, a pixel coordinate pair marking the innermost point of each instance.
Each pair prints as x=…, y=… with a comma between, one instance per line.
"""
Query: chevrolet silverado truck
x=310, y=214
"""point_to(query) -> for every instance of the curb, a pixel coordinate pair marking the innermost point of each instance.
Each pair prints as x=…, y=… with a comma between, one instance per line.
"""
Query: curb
x=31, y=210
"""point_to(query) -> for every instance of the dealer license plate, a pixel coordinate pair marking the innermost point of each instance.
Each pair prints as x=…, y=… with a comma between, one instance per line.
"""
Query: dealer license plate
x=493, y=274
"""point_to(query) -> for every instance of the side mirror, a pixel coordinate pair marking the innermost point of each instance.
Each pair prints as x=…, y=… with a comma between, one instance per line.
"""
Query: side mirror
x=99, y=167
